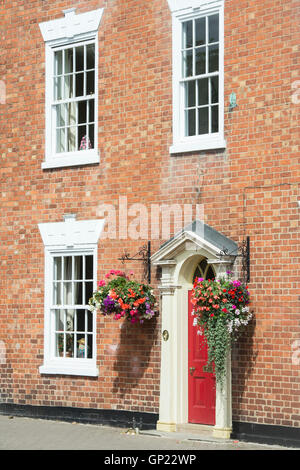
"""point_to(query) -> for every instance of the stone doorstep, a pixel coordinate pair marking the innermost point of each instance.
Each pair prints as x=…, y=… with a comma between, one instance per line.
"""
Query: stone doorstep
x=188, y=431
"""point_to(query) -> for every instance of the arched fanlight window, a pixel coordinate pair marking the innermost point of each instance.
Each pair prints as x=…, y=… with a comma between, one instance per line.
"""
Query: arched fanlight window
x=204, y=270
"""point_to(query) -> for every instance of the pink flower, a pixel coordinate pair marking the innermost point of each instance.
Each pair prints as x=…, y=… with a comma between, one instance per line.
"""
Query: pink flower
x=101, y=283
x=133, y=320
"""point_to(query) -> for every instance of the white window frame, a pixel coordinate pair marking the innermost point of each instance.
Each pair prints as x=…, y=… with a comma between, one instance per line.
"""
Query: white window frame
x=184, y=11
x=66, y=239
x=59, y=34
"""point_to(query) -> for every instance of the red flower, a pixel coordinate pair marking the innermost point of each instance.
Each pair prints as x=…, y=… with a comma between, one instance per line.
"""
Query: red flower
x=224, y=310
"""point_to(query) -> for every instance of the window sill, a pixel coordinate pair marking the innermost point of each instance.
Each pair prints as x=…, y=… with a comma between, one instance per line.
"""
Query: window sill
x=72, y=159
x=195, y=145
x=70, y=367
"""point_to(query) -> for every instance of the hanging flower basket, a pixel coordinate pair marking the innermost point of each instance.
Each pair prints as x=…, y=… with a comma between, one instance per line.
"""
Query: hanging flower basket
x=221, y=309
x=123, y=297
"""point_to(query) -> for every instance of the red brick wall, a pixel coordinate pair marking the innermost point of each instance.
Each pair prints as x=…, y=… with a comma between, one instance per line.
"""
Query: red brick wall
x=250, y=189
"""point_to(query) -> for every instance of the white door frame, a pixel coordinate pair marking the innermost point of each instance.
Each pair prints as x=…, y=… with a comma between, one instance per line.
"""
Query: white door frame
x=178, y=260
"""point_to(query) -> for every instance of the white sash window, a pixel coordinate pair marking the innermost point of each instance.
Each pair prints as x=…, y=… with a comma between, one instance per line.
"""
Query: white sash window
x=70, y=280
x=71, y=89
x=198, y=75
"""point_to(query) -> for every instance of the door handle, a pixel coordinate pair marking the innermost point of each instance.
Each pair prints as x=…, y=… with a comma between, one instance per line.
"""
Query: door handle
x=192, y=369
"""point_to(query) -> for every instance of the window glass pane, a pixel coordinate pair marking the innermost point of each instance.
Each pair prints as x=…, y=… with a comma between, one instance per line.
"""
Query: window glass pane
x=57, y=268
x=187, y=63
x=82, y=144
x=197, y=274
x=68, y=60
x=60, y=115
x=190, y=122
x=78, y=293
x=91, y=111
x=89, y=267
x=91, y=137
x=79, y=84
x=68, y=87
x=187, y=34
x=214, y=89
x=81, y=346
x=215, y=118
x=90, y=346
x=82, y=112
x=58, y=63
x=90, y=56
x=78, y=267
x=56, y=293
x=67, y=268
x=60, y=140
x=70, y=320
x=58, y=88
x=88, y=291
x=71, y=114
x=59, y=344
x=67, y=293
x=59, y=320
x=200, y=60
x=69, y=345
x=190, y=94
x=90, y=83
x=213, y=57
x=89, y=321
x=79, y=58
x=80, y=320
x=203, y=120
x=213, y=28
x=203, y=92
x=210, y=273
x=200, y=26
x=203, y=265
x=71, y=139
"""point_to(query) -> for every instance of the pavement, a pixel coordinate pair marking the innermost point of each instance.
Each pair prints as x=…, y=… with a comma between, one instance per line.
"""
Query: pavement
x=19, y=433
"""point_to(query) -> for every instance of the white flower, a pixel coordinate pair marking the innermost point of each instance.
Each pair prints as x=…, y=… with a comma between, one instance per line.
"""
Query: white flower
x=194, y=321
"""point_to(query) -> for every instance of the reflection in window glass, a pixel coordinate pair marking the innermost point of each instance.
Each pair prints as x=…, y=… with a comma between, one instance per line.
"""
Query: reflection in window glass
x=200, y=75
x=74, y=83
x=73, y=323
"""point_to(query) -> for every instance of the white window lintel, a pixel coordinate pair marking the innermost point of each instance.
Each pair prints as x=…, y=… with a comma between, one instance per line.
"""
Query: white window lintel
x=181, y=7
x=71, y=25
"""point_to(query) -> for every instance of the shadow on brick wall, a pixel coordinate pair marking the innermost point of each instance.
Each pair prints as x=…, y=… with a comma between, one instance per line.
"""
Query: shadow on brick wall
x=243, y=363
x=135, y=361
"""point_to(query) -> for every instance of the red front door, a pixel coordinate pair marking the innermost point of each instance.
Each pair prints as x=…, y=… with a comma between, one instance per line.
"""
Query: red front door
x=202, y=389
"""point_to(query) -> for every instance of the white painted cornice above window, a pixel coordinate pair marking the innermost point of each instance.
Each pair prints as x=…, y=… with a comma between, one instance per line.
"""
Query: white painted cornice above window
x=71, y=25
x=182, y=5
x=71, y=233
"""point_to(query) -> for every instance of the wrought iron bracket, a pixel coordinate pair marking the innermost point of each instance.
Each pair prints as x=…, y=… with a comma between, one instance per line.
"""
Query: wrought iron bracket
x=244, y=253
x=144, y=254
